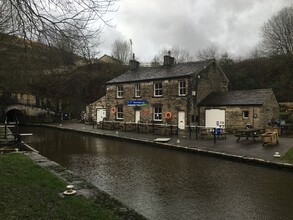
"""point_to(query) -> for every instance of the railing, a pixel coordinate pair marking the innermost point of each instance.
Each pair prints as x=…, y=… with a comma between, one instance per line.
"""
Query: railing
x=201, y=132
x=160, y=129
x=12, y=137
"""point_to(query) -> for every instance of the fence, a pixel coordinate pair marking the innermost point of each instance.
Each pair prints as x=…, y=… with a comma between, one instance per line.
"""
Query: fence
x=159, y=129
x=200, y=132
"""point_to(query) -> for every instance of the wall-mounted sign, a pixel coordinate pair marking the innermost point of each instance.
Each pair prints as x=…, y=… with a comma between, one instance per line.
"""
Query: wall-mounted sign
x=137, y=102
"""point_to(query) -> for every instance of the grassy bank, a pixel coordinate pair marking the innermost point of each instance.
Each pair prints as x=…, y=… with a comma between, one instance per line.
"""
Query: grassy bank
x=31, y=192
x=288, y=157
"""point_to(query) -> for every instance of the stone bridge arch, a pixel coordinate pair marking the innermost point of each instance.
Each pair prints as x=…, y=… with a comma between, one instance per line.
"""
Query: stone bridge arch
x=26, y=113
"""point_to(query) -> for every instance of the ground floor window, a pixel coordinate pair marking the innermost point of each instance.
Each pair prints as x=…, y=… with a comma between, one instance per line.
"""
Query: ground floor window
x=119, y=112
x=157, y=113
x=245, y=114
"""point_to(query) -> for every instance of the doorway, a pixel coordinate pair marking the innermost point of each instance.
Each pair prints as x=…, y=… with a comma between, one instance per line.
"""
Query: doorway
x=101, y=114
x=181, y=119
x=137, y=116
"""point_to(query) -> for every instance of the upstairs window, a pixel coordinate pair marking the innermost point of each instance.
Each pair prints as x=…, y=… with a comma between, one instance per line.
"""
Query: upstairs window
x=157, y=113
x=119, y=112
x=137, y=91
x=182, y=88
x=119, y=91
x=158, y=89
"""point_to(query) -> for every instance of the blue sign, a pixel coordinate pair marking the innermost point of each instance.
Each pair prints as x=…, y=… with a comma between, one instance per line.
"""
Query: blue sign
x=137, y=102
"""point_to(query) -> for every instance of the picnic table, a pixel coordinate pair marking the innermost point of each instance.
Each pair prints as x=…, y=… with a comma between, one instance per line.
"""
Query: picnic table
x=247, y=133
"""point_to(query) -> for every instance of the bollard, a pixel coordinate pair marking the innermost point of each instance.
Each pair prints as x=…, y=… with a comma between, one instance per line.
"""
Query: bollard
x=69, y=191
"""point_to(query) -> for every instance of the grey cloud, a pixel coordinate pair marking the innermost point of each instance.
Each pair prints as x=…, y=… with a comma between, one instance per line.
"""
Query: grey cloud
x=232, y=25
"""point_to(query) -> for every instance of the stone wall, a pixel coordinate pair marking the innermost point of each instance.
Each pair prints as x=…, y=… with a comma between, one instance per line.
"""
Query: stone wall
x=170, y=101
x=32, y=107
x=270, y=110
x=211, y=79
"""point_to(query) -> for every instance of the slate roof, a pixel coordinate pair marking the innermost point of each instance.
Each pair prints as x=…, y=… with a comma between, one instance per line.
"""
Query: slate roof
x=240, y=97
x=162, y=72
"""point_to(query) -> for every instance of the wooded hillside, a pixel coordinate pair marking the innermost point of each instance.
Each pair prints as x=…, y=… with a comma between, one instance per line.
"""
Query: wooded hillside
x=44, y=71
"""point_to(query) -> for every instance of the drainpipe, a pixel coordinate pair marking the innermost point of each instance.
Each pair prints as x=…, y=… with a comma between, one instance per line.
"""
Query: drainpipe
x=196, y=100
x=253, y=116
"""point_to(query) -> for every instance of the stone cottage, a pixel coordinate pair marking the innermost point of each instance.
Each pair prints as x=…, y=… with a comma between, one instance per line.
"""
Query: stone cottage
x=96, y=111
x=237, y=109
x=166, y=94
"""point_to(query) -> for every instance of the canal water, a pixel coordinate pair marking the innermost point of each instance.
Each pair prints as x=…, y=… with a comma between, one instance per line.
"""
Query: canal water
x=168, y=184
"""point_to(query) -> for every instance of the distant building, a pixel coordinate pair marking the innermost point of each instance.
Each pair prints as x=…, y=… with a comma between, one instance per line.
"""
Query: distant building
x=108, y=59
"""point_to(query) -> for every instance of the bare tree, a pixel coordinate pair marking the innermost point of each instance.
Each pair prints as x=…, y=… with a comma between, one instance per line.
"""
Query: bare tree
x=208, y=53
x=256, y=52
x=35, y=19
x=121, y=50
x=156, y=61
x=4, y=26
x=180, y=55
x=277, y=33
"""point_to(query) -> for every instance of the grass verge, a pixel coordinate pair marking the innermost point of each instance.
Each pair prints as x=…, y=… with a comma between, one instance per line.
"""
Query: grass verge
x=31, y=192
x=288, y=157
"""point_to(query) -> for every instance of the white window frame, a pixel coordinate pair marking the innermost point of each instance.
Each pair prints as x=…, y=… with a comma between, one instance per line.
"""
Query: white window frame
x=182, y=88
x=244, y=113
x=119, y=112
x=158, y=89
x=137, y=90
x=158, y=114
x=119, y=91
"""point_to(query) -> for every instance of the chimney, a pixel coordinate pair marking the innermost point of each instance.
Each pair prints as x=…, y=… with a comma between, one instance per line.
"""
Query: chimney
x=133, y=64
x=168, y=60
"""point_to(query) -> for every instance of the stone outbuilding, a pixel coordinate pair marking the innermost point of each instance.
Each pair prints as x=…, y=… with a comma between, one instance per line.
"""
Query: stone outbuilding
x=166, y=94
x=96, y=111
x=237, y=109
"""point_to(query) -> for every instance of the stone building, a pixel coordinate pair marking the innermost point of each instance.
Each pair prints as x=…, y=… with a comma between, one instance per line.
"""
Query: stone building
x=237, y=109
x=96, y=111
x=107, y=59
x=166, y=94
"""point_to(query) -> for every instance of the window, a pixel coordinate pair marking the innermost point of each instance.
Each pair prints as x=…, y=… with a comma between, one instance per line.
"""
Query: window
x=158, y=89
x=137, y=90
x=182, y=88
x=119, y=91
x=119, y=112
x=245, y=114
x=157, y=113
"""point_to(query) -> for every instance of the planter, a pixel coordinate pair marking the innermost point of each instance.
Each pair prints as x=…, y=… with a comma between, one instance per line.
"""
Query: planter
x=269, y=138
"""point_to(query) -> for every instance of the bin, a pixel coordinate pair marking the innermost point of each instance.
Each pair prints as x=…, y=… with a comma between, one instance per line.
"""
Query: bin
x=269, y=138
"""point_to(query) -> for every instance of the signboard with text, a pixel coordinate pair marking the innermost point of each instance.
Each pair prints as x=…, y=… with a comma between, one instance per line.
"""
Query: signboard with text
x=137, y=102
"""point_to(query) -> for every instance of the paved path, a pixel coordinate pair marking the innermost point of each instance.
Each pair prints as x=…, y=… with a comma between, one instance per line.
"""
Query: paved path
x=229, y=146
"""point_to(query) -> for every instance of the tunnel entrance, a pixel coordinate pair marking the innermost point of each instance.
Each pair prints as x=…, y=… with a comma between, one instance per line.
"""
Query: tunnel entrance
x=15, y=116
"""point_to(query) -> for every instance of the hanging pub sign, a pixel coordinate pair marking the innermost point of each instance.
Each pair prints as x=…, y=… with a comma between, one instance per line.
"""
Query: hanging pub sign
x=137, y=102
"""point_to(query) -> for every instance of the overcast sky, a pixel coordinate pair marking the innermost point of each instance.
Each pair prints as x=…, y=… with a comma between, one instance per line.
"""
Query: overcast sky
x=231, y=25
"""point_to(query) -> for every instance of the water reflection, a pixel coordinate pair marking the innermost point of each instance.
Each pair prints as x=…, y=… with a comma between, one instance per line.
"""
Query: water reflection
x=166, y=184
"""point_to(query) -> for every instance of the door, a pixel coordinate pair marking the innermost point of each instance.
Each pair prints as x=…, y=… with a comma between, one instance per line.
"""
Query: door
x=215, y=118
x=181, y=120
x=137, y=116
x=101, y=114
